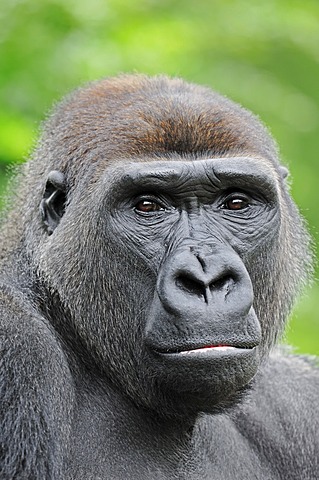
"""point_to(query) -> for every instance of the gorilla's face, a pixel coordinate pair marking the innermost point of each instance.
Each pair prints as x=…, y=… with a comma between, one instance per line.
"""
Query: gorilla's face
x=181, y=246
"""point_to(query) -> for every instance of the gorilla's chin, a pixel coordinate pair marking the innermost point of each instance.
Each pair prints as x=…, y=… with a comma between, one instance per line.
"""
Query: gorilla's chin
x=199, y=381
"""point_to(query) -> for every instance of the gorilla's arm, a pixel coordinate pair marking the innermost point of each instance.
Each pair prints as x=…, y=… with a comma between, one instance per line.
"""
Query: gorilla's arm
x=36, y=392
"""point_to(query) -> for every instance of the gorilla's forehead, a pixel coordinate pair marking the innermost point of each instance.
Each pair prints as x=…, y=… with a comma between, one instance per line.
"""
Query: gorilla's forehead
x=162, y=173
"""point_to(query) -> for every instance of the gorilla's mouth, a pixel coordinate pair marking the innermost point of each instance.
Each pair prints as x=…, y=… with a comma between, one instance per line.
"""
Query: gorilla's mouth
x=208, y=349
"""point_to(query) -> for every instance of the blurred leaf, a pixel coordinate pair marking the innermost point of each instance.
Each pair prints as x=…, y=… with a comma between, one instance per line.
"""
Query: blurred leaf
x=16, y=137
x=303, y=329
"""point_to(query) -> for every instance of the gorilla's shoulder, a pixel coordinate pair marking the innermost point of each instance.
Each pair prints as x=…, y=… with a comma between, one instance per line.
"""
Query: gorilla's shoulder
x=287, y=384
x=283, y=405
x=278, y=418
x=289, y=377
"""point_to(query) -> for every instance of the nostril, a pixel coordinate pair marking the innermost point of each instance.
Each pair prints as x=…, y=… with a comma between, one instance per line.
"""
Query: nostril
x=225, y=282
x=190, y=285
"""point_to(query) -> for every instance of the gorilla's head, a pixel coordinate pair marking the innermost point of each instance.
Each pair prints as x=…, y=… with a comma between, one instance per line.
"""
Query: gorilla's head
x=159, y=218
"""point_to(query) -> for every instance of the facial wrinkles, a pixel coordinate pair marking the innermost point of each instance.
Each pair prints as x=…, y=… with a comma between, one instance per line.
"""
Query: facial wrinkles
x=192, y=187
x=199, y=184
x=199, y=187
x=209, y=174
x=193, y=228
x=205, y=228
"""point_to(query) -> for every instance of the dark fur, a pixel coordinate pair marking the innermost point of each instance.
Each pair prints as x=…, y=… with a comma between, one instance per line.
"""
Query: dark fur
x=72, y=407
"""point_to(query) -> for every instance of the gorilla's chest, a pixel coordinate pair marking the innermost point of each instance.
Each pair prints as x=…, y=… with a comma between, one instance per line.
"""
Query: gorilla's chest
x=114, y=449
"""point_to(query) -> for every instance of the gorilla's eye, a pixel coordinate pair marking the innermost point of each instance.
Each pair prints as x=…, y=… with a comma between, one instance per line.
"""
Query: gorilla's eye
x=148, y=206
x=236, y=202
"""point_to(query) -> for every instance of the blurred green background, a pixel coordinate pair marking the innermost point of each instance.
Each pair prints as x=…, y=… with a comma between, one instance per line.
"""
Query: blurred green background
x=264, y=55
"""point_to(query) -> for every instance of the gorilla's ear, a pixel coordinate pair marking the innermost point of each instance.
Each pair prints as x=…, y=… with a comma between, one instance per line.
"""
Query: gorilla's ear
x=53, y=203
x=284, y=172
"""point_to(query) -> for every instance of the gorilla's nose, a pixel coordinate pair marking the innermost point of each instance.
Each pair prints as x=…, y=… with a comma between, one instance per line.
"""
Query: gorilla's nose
x=205, y=278
x=194, y=281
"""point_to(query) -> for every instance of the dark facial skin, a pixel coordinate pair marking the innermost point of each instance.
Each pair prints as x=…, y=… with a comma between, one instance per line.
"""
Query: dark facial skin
x=194, y=227
x=197, y=226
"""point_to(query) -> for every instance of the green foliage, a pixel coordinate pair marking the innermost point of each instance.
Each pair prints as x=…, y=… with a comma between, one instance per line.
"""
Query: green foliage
x=303, y=330
x=262, y=54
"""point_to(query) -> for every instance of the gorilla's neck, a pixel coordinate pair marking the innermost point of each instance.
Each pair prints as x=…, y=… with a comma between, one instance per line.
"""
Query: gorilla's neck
x=105, y=418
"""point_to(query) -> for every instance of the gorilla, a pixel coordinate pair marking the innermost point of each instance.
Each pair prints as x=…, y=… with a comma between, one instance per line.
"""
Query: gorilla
x=150, y=256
